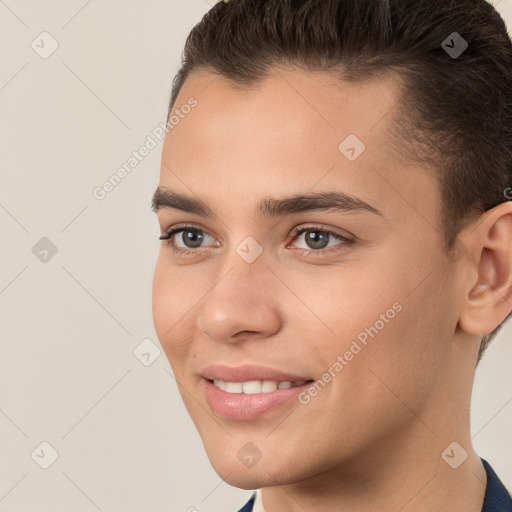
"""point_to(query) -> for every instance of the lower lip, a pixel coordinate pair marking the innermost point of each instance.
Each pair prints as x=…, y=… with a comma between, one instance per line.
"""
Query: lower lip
x=239, y=406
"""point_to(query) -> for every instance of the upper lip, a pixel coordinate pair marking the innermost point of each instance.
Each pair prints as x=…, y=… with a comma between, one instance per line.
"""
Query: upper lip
x=247, y=373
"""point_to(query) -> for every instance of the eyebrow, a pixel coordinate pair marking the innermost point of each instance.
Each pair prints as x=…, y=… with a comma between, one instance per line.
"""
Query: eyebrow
x=268, y=207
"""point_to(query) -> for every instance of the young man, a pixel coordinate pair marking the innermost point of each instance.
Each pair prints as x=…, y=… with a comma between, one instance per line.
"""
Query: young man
x=335, y=211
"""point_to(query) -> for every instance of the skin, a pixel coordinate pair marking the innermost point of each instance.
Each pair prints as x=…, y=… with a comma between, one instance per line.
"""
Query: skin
x=372, y=438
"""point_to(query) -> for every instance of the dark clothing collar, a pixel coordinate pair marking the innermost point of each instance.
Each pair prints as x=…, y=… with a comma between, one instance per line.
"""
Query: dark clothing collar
x=248, y=506
x=497, y=498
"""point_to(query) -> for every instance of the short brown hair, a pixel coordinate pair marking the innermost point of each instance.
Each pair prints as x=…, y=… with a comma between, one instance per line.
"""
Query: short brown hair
x=455, y=113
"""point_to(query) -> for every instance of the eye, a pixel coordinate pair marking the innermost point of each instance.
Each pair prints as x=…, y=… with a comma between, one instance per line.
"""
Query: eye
x=318, y=240
x=188, y=239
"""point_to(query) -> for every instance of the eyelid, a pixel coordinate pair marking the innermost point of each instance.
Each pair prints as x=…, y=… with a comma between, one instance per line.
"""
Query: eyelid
x=307, y=226
x=181, y=227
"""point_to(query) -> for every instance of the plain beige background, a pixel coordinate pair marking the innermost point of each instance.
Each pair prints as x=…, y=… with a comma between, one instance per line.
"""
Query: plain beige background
x=72, y=322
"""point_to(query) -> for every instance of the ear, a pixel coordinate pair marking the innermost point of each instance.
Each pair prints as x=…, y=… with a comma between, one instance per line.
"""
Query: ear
x=488, y=294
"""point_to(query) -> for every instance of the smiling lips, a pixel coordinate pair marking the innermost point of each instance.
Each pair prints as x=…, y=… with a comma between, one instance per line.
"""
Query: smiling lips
x=247, y=392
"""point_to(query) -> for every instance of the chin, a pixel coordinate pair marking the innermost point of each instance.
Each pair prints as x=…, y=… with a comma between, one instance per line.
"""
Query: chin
x=232, y=470
x=249, y=479
x=266, y=472
x=247, y=482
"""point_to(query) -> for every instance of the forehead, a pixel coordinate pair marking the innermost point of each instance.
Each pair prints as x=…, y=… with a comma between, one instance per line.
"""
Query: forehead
x=287, y=134
x=290, y=108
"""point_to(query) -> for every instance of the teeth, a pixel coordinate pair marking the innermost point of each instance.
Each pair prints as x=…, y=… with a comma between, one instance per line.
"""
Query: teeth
x=267, y=386
x=253, y=387
x=233, y=387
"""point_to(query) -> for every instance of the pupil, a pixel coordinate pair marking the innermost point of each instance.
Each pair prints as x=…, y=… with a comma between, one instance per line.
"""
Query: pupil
x=316, y=240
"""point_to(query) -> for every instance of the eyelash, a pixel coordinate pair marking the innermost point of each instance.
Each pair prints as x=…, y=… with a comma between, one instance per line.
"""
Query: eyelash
x=299, y=230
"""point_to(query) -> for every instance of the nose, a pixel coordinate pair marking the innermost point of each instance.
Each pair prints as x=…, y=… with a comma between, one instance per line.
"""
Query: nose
x=242, y=304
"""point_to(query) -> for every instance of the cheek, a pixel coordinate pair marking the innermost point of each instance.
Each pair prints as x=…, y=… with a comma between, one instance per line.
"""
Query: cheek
x=382, y=380
x=385, y=322
x=172, y=302
x=162, y=301
x=403, y=361
x=345, y=300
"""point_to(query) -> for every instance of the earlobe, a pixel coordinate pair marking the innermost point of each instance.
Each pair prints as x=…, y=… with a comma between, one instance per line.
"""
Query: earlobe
x=488, y=297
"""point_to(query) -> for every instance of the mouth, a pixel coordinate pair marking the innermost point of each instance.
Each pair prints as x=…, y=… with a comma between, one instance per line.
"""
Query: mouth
x=253, y=399
x=249, y=391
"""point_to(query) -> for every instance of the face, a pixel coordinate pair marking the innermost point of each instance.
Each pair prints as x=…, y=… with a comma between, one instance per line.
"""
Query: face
x=347, y=289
